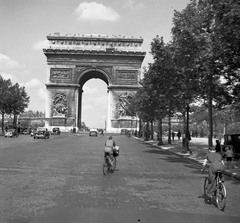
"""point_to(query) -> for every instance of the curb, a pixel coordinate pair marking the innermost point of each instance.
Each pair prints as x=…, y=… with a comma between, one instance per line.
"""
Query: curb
x=225, y=172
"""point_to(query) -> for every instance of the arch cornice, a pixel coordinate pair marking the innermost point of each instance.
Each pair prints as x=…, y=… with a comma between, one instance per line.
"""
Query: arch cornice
x=57, y=85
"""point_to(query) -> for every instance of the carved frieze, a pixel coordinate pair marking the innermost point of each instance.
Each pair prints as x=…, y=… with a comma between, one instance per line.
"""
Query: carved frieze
x=123, y=104
x=59, y=105
x=127, y=77
x=60, y=73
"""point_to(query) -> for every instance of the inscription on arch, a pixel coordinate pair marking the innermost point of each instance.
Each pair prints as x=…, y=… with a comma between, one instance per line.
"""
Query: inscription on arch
x=127, y=77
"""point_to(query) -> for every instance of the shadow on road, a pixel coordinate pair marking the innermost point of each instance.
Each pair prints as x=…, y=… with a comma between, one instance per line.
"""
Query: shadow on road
x=172, y=158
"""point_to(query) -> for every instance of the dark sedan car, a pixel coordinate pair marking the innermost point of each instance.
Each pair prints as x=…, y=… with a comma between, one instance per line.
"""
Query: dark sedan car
x=42, y=133
x=56, y=131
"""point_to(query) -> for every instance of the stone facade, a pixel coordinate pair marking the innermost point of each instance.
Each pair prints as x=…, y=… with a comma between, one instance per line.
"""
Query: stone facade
x=74, y=59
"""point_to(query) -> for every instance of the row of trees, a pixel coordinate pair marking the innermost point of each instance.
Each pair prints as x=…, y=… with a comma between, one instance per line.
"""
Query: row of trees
x=13, y=100
x=200, y=64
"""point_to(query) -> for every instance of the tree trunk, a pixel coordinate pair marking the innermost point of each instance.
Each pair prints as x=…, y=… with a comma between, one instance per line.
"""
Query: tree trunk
x=186, y=135
x=140, y=129
x=151, y=130
x=169, y=129
x=160, y=141
x=210, y=135
x=3, y=122
x=147, y=132
x=15, y=121
x=184, y=132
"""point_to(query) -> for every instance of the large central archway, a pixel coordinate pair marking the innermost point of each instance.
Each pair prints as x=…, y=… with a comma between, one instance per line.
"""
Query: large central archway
x=75, y=59
x=88, y=75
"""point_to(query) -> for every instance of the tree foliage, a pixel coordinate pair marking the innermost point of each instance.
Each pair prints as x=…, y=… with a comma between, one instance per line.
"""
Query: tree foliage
x=13, y=100
x=201, y=63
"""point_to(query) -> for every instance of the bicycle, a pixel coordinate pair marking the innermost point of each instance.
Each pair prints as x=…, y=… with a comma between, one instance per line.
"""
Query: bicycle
x=109, y=164
x=110, y=161
x=219, y=194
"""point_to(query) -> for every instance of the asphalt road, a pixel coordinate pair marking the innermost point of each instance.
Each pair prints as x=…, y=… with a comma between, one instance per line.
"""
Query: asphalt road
x=60, y=180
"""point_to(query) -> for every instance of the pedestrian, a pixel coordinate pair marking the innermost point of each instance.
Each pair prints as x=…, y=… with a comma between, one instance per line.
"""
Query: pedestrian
x=218, y=146
x=229, y=156
x=173, y=135
x=179, y=134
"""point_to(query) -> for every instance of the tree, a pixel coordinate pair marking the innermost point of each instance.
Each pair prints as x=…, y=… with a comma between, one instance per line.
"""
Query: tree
x=226, y=38
x=194, y=34
x=5, y=86
x=18, y=101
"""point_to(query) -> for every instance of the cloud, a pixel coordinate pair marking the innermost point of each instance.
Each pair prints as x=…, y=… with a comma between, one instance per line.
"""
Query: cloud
x=42, y=93
x=41, y=44
x=89, y=90
x=94, y=11
x=6, y=63
x=134, y=4
x=34, y=83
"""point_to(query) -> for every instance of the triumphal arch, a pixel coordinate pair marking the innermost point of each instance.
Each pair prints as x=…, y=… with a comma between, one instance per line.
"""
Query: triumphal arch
x=74, y=59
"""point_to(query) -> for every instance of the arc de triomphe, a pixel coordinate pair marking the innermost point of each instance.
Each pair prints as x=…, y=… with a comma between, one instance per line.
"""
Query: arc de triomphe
x=74, y=59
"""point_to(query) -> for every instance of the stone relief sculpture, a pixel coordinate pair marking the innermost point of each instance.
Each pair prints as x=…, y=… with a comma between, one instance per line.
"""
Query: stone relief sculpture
x=60, y=74
x=123, y=103
x=59, y=105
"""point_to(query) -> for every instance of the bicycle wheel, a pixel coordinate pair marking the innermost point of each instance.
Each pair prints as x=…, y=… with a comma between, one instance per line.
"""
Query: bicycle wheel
x=106, y=168
x=221, y=196
x=205, y=189
x=114, y=164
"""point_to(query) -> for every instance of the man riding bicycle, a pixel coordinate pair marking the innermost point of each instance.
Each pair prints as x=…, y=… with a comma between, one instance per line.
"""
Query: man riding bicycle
x=109, y=147
x=216, y=164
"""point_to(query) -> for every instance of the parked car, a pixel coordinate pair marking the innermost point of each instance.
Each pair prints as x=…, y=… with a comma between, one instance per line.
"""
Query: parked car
x=25, y=132
x=93, y=132
x=232, y=140
x=42, y=133
x=56, y=131
x=124, y=131
x=11, y=133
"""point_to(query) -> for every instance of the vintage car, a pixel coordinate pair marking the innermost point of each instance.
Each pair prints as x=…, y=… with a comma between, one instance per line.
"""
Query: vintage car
x=93, y=132
x=11, y=133
x=25, y=132
x=56, y=131
x=41, y=133
x=124, y=131
x=232, y=140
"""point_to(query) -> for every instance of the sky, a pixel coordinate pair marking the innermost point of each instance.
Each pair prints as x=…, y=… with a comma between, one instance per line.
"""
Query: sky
x=24, y=25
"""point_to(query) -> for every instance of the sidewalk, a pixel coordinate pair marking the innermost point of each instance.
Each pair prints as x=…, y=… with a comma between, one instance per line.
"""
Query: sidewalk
x=199, y=147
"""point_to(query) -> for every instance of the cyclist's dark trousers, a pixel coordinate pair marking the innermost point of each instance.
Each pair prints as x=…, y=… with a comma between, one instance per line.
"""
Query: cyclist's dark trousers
x=214, y=167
